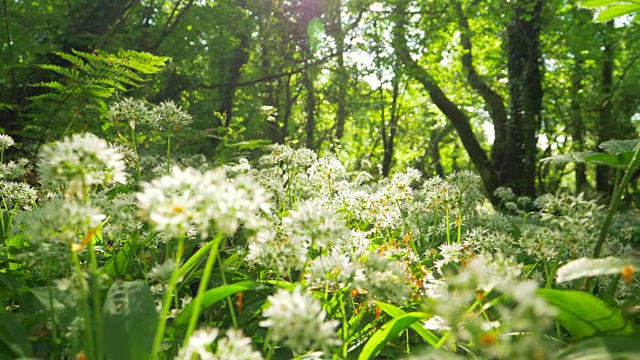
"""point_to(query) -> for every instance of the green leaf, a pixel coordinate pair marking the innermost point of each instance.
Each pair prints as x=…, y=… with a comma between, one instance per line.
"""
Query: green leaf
x=13, y=338
x=65, y=304
x=584, y=315
x=619, y=146
x=579, y=157
x=620, y=160
x=585, y=267
x=388, y=332
x=615, y=11
x=395, y=312
x=213, y=296
x=603, y=347
x=129, y=320
x=597, y=3
x=119, y=265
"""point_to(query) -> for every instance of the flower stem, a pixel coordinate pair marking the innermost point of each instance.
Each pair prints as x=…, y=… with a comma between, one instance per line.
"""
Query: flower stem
x=204, y=282
x=166, y=301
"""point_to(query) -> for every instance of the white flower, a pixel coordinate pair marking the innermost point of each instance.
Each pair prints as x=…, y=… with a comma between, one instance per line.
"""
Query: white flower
x=315, y=225
x=5, y=142
x=185, y=198
x=297, y=319
x=82, y=161
x=199, y=344
x=14, y=194
x=236, y=346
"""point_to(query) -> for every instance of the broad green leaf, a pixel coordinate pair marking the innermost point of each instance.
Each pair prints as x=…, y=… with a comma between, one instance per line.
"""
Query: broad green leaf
x=388, y=332
x=63, y=304
x=603, y=347
x=213, y=296
x=615, y=11
x=619, y=146
x=395, y=312
x=579, y=157
x=129, y=319
x=597, y=3
x=585, y=267
x=14, y=342
x=616, y=160
x=584, y=315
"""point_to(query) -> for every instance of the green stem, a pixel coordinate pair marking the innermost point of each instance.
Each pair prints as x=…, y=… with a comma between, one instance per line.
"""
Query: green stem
x=169, y=152
x=204, y=282
x=232, y=311
x=448, y=221
x=135, y=150
x=97, y=304
x=89, y=346
x=166, y=301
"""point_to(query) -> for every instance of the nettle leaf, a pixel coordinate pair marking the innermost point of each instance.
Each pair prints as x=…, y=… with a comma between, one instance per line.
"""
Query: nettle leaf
x=585, y=315
x=579, y=157
x=129, y=319
x=603, y=347
x=389, y=332
x=619, y=146
x=585, y=267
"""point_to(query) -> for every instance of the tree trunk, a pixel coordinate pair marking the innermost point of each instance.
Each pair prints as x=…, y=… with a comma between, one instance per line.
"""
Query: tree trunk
x=310, y=109
x=516, y=164
x=577, y=124
x=606, y=127
x=389, y=139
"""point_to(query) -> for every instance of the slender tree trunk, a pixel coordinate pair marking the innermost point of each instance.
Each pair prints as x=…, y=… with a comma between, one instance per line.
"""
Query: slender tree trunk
x=606, y=126
x=310, y=109
x=577, y=124
x=342, y=79
x=389, y=143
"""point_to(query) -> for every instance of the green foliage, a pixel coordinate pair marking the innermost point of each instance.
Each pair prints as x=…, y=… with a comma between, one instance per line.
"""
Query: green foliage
x=129, y=308
x=87, y=81
x=611, y=8
x=584, y=315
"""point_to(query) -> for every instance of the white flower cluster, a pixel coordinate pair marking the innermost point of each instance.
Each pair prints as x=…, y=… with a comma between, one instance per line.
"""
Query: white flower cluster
x=234, y=346
x=310, y=227
x=159, y=117
x=81, y=161
x=206, y=200
x=297, y=319
x=6, y=141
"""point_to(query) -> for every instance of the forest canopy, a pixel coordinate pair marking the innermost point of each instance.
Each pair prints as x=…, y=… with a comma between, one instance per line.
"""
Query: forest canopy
x=319, y=179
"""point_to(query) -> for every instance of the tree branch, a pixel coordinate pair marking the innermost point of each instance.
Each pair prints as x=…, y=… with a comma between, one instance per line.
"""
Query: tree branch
x=457, y=117
x=494, y=101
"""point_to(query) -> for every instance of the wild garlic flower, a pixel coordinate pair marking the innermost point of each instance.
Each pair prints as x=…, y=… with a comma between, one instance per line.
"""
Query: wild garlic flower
x=278, y=253
x=6, y=141
x=169, y=115
x=209, y=201
x=14, y=194
x=236, y=346
x=384, y=279
x=81, y=161
x=314, y=225
x=15, y=170
x=334, y=270
x=59, y=222
x=298, y=321
x=199, y=344
x=159, y=117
